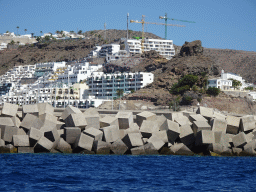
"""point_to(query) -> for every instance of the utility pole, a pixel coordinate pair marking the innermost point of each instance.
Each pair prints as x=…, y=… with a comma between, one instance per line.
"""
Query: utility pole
x=127, y=26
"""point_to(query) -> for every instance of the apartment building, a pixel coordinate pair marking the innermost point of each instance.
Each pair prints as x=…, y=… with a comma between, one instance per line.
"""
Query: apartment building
x=163, y=47
x=109, y=49
x=222, y=84
x=105, y=86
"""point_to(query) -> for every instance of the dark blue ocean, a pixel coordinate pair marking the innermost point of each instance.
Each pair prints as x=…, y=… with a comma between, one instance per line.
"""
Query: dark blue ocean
x=58, y=172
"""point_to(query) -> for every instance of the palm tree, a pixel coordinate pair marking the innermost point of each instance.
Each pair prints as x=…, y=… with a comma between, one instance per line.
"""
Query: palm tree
x=25, y=30
x=80, y=32
x=17, y=29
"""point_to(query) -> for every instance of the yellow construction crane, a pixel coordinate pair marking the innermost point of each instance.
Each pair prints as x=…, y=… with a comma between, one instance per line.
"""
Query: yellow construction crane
x=143, y=23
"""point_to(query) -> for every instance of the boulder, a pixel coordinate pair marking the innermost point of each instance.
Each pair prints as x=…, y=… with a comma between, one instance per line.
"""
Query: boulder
x=9, y=110
x=182, y=121
x=125, y=119
x=193, y=48
x=145, y=115
x=219, y=116
x=91, y=111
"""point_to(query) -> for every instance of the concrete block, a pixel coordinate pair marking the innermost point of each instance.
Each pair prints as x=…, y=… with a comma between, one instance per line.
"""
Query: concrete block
x=176, y=115
x=76, y=120
x=148, y=127
x=2, y=143
x=186, y=135
x=216, y=148
x=182, y=121
x=145, y=140
x=110, y=133
x=122, y=133
x=30, y=109
x=236, y=151
x=247, y=123
x=45, y=108
x=145, y=115
x=125, y=119
x=204, y=137
x=134, y=128
x=9, y=110
x=157, y=142
x=239, y=140
x=52, y=134
x=138, y=150
x=92, y=121
x=48, y=117
x=69, y=110
x=205, y=112
x=21, y=141
x=150, y=149
x=249, y=137
x=84, y=142
x=173, y=131
x=197, y=117
x=43, y=145
x=25, y=149
x=180, y=149
x=233, y=124
x=133, y=140
x=251, y=144
x=219, y=125
x=34, y=136
x=71, y=133
x=61, y=133
x=63, y=146
x=60, y=125
x=108, y=121
x=161, y=135
x=91, y=111
x=5, y=121
x=187, y=113
x=200, y=125
x=118, y=147
x=21, y=131
x=31, y=121
x=9, y=131
x=96, y=134
x=219, y=116
x=16, y=121
x=162, y=122
x=9, y=148
x=101, y=147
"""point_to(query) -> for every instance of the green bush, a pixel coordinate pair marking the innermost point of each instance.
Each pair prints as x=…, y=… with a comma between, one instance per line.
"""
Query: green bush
x=184, y=84
x=213, y=91
x=189, y=80
x=248, y=88
x=187, y=100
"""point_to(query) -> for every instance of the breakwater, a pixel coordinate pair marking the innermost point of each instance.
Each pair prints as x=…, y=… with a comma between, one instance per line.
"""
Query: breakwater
x=39, y=128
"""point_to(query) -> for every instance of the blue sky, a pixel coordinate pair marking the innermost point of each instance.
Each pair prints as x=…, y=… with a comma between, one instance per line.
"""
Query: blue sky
x=225, y=24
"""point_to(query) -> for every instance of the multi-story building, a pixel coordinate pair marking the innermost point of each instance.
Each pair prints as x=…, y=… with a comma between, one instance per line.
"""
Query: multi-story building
x=222, y=84
x=109, y=49
x=105, y=86
x=116, y=56
x=163, y=47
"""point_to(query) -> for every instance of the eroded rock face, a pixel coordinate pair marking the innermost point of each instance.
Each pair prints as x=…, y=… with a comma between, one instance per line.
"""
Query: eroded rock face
x=193, y=48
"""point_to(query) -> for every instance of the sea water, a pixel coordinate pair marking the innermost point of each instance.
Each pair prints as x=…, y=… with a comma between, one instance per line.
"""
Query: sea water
x=60, y=172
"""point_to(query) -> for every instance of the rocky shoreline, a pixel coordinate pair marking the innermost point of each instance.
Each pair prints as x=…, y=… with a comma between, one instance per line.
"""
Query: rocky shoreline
x=39, y=128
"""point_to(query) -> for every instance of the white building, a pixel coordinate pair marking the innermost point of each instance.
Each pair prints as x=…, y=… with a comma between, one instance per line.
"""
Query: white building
x=104, y=86
x=109, y=49
x=116, y=56
x=222, y=84
x=163, y=47
x=95, y=51
x=3, y=46
x=50, y=65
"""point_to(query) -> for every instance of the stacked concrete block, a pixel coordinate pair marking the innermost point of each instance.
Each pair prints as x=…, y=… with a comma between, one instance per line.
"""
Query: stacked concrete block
x=76, y=120
x=5, y=121
x=219, y=125
x=91, y=111
x=2, y=143
x=216, y=148
x=51, y=134
x=138, y=150
x=48, y=117
x=239, y=140
x=34, y=136
x=233, y=124
x=9, y=148
x=176, y=115
x=187, y=113
x=204, y=137
x=118, y=147
x=69, y=110
x=96, y=134
x=125, y=119
x=30, y=109
x=156, y=142
x=110, y=133
x=162, y=122
x=84, y=142
x=161, y=135
x=122, y=133
x=60, y=125
x=186, y=136
x=205, y=112
x=133, y=140
x=173, y=131
x=63, y=146
x=247, y=123
x=21, y=141
x=150, y=149
x=197, y=117
x=182, y=121
x=101, y=147
x=108, y=121
x=145, y=115
x=134, y=128
x=200, y=125
x=16, y=121
x=148, y=127
x=92, y=120
x=31, y=121
x=219, y=116
x=9, y=110
x=180, y=149
x=25, y=149
x=43, y=145
x=9, y=132
x=45, y=108
x=71, y=133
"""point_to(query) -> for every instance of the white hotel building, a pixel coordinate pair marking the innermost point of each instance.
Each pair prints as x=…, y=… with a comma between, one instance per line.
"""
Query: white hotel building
x=105, y=86
x=163, y=47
